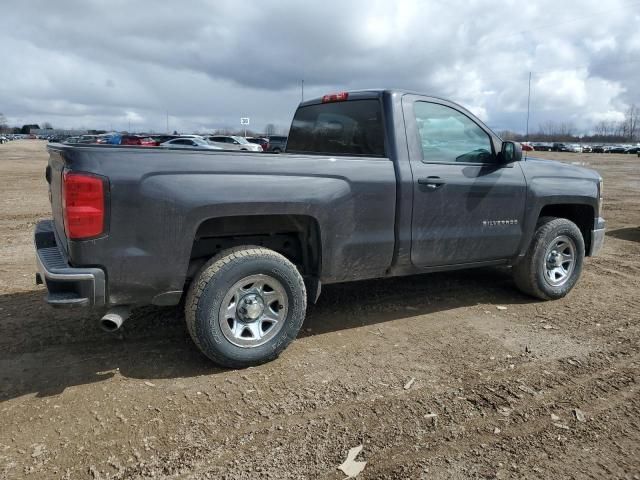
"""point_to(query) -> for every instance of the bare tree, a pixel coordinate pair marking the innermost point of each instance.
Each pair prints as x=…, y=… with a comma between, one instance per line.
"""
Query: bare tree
x=270, y=129
x=557, y=131
x=602, y=128
x=47, y=125
x=511, y=135
x=4, y=125
x=630, y=127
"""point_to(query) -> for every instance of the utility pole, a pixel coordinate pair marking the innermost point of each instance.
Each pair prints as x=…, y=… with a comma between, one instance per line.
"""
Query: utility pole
x=302, y=91
x=528, y=108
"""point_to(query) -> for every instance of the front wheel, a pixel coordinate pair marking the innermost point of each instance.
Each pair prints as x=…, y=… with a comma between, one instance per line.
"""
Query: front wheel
x=245, y=306
x=553, y=263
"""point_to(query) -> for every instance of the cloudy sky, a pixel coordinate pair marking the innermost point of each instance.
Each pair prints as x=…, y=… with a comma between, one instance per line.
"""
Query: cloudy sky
x=99, y=64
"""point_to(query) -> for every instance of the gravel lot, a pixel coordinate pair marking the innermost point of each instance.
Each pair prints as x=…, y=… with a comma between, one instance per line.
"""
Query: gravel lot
x=425, y=372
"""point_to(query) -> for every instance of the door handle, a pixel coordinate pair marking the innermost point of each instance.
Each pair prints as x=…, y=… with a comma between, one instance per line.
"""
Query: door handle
x=431, y=182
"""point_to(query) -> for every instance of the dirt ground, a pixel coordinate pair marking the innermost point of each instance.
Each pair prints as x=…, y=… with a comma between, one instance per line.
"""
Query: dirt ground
x=425, y=372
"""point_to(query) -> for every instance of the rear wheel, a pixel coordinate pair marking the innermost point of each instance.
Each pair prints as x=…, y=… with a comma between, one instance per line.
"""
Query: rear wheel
x=553, y=263
x=245, y=307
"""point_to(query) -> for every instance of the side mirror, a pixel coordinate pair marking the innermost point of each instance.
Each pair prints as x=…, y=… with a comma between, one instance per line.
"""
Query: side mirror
x=511, y=152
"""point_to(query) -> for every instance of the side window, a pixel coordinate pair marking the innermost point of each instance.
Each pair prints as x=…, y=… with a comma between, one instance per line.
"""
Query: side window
x=449, y=136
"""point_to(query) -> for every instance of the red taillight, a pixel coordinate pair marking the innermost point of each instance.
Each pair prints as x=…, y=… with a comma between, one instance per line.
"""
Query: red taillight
x=335, y=97
x=83, y=205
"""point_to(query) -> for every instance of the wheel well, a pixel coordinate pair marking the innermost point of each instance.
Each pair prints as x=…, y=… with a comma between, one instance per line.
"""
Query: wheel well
x=581, y=215
x=297, y=237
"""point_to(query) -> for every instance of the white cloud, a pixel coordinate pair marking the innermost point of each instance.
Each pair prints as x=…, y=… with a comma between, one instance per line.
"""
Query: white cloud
x=212, y=62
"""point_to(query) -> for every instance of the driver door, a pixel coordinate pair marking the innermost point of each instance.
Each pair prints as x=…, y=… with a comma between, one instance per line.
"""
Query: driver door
x=467, y=207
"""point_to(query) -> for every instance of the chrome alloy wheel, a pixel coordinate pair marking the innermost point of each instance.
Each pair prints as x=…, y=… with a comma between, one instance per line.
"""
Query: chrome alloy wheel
x=253, y=311
x=560, y=260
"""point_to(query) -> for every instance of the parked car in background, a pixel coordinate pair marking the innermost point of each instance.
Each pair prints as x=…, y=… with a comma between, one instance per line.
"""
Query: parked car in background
x=541, y=146
x=575, y=148
x=277, y=143
x=526, y=147
x=263, y=142
x=58, y=138
x=597, y=149
x=561, y=147
x=164, y=138
x=87, y=139
x=233, y=142
x=189, y=142
x=617, y=149
x=587, y=149
x=635, y=149
x=112, y=138
x=202, y=137
x=71, y=140
x=138, y=140
x=3, y=139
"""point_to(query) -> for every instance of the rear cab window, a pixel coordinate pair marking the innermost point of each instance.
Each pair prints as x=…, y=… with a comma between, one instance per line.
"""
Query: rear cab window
x=350, y=128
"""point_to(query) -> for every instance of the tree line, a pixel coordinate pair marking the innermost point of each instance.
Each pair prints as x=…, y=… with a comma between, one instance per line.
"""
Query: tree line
x=25, y=129
x=624, y=131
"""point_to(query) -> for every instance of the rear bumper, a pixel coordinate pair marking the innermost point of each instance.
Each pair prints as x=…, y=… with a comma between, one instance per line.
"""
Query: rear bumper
x=66, y=286
x=597, y=237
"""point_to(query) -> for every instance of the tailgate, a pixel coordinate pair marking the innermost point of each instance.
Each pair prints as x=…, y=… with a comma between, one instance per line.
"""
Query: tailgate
x=54, y=178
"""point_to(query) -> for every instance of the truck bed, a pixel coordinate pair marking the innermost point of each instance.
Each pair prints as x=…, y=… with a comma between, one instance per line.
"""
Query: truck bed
x=158, y=199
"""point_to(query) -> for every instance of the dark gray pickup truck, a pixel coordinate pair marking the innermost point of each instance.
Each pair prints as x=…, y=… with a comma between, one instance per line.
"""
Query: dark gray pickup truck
x=375, y=183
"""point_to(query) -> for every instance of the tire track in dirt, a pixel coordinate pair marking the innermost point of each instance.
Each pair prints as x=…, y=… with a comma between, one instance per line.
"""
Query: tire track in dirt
x=464, y=420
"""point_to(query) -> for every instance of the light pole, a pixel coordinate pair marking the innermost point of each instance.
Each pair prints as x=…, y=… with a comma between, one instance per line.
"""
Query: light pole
x=528, y=108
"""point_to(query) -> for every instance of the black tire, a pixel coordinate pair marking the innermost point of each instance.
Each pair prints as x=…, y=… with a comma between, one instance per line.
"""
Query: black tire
x=530, y=273
x=276, y=150
x=216, y=280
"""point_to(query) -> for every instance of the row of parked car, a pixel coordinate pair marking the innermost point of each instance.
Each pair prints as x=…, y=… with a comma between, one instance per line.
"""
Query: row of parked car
x=7, y=138
x=274, y=143
x=574, y=147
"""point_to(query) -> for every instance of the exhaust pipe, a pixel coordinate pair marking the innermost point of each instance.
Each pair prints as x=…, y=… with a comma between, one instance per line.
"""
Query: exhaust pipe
x=114, y=318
